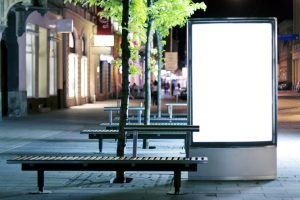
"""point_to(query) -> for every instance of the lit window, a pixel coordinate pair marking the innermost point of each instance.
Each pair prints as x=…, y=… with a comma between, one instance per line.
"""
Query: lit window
x=73, y=75
x=43, y=63
x=72, y=43
x=53, y=65
x=83, y=47
x=30, y=60
x=84, y=76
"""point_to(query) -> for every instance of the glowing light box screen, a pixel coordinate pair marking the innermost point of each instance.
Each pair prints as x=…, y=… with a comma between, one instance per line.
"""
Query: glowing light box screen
x=232, y=81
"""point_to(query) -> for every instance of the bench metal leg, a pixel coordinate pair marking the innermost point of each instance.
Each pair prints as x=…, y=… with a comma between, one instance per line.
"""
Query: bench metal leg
x=134, y=141
x=100, y=144
x=187, y=144
x=145, y=144
x=177, y=181
x=40, y=177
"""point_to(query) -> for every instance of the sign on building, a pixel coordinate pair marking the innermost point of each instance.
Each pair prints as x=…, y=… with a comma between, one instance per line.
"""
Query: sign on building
x=171, y=61
x=104, y=26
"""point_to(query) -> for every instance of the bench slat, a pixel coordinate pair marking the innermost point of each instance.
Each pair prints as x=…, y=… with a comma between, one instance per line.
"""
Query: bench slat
x=59, y=159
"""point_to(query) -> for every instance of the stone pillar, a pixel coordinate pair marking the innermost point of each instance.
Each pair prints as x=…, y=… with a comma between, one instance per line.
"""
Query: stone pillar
x=17, y=100
x=289, y=59
x=1, y=31
x=296, y=16
x=296, y=50
x=5, y=6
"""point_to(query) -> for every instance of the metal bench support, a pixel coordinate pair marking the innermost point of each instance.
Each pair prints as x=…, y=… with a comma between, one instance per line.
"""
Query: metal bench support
x=177, y=181
x=100, y=144
x=40, y=177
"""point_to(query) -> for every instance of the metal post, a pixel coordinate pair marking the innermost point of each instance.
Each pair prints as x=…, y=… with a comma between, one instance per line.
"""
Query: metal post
x=100, y=144
x=177, y=181
x=187, y=144
x=110, y=117
x=139, y=116
x=40, y=177
x=134, y=148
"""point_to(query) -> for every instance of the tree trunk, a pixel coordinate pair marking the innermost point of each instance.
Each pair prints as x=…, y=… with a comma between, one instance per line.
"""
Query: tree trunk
x=120, y=178
x=147, y=102
x=159, y=64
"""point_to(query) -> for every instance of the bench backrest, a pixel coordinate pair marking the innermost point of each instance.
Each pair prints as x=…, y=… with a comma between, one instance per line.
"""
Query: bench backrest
x=175, y=127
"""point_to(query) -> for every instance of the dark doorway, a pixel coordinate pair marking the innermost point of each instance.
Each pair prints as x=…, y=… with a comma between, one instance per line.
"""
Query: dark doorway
x=4, y=87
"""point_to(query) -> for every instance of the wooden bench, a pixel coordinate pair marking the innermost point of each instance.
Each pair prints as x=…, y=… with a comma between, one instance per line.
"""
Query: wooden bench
x=156, y=120
x=171, y=105
x=101, y=134
x=115, y=125
x=163, y=115
x=109, y=126
x=152, y=131
x=42, y=163
x=110, y=111
x=163, y=128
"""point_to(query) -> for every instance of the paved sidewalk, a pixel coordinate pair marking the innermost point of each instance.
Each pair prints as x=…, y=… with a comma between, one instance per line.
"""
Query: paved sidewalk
x=58, y=132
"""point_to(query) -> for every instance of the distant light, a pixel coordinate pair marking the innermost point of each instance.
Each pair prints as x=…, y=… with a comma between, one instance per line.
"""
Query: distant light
x=173, y=76
x=184, y=72
x=107, y=58
x=104, y=40
x=52, y=26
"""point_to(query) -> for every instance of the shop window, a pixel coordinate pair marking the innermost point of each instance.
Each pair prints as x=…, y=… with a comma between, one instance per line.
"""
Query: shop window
x=72, y=43
x=43, y=63
x=53, y=60
x=30, y=60
x=41, y=66
x=84, y=77
x=109, y=78
x=73, y=75
x=83, y=46
x=101, y=77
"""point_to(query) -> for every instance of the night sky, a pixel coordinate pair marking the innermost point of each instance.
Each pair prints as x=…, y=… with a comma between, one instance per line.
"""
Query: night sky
x=281, y=9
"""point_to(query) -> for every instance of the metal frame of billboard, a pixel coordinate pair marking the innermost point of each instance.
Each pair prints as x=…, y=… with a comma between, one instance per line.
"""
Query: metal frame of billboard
x=273, y=22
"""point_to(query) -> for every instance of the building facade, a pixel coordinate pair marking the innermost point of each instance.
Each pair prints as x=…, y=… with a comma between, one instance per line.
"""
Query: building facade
x=45, y=66
x=284, y=52
x=296, y=44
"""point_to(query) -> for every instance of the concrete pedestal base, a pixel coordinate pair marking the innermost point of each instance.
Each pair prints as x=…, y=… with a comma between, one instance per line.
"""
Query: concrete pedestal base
x=17, y=103
x=248, y=163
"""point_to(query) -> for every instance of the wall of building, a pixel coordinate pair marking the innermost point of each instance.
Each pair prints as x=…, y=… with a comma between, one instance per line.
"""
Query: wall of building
x=296, y=44
x=83, y=29
x=284, y=52
x=17, y=100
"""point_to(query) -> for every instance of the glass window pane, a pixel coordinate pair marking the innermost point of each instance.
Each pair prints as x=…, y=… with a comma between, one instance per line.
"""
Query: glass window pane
x=73, y=75
x=84, y=76
x=53, y=67
x=71, y=40
x=43, y=65
x=30, y=61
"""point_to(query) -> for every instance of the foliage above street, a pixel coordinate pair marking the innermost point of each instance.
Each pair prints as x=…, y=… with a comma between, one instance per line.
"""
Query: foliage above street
x=171, y=13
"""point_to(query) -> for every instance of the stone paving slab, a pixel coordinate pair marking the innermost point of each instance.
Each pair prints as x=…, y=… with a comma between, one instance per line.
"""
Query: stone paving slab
x=58, y=132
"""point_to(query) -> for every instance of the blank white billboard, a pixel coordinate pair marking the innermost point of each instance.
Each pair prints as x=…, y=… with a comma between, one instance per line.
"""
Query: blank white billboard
x=233, y=77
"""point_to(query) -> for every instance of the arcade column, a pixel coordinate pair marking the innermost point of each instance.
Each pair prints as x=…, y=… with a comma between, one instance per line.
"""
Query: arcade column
x=16, y=98
x=1, y=31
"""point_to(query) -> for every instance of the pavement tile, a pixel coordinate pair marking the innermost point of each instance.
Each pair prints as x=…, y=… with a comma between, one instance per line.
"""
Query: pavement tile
x=58, y=131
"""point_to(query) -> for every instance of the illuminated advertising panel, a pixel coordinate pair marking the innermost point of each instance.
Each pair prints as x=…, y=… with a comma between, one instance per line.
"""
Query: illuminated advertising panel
x=232, y=81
